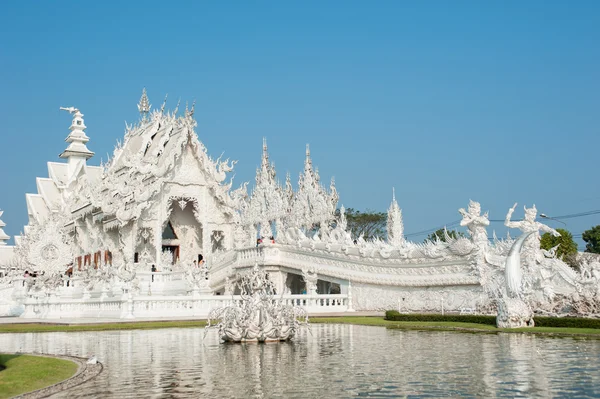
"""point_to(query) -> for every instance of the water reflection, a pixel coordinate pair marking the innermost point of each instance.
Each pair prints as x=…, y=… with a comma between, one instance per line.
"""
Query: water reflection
x=333, y=361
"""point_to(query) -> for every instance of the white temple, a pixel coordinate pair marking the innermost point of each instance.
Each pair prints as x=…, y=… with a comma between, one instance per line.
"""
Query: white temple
x=159, y=231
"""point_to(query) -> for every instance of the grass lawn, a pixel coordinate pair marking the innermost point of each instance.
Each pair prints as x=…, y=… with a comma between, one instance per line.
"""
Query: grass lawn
x=359, y=320
x=454, y=326
x=26, y=373
x=140, y=325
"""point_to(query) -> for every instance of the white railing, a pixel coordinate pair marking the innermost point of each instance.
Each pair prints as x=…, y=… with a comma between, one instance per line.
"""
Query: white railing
x=318, y=303
x=160, y=277
x=164, y=306
x=59, y=308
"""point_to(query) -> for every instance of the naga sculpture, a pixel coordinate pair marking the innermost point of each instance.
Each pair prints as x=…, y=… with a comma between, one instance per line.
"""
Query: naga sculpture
x=513, y=312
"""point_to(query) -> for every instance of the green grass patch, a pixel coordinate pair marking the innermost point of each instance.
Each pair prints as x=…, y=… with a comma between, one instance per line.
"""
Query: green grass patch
x=26, y=373
x=469, y=318
x=142, y=325
x=415, y=324
x=467, y=323
x=565, y=324
x=408, y=325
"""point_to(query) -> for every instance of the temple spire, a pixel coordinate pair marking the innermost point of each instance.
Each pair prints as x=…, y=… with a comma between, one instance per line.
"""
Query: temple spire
x=77, y=151
x=144, y=105
x=265, y=155
x=3, y=236
x=308, y=161
x=395, y=224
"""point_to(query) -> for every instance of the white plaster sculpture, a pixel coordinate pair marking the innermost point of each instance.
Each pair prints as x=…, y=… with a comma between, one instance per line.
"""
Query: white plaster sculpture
x=476, y=223
x=531, y=247
x=310, y=279
x=395, y=225
x=198, y=278
x=259, y=317
x=513, y=312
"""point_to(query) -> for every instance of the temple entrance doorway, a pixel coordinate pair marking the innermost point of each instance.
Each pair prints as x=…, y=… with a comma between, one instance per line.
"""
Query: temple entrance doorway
x=295, y=284
x=183, y=230
x=174, y=249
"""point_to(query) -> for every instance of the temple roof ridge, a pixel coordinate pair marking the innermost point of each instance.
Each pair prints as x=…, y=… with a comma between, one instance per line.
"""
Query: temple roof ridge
x=3, y=236
x=152, y=150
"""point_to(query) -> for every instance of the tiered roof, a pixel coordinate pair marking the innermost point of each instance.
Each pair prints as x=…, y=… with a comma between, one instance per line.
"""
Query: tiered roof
x=3, y=236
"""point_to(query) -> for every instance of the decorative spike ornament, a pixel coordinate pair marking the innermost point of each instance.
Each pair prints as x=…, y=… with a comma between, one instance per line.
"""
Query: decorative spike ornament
x=192, y=110
x=144, y=105
x=162, y=107
x=395, y=225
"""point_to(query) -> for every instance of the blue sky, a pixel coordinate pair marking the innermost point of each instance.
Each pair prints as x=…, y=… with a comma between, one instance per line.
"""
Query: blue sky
x=445, y=101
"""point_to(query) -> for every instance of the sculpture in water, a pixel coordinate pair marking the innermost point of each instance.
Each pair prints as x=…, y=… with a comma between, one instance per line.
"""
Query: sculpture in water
x=513, y=312
x=258, y=317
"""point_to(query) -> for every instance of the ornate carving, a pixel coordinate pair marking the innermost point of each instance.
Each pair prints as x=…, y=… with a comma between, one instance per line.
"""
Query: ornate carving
x=476, y=224
x=259, y=317
x=48, y=247
x=395, y=226
x=310, y=278
x=531, y=247
x=162, y=164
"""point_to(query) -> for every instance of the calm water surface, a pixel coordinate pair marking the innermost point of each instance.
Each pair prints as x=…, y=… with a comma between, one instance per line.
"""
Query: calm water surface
x=335, y=361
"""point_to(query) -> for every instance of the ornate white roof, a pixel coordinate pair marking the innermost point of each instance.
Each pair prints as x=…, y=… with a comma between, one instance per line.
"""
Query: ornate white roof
x=148, y=157
x=267, y=202
x=3, y=236
x=312, y=204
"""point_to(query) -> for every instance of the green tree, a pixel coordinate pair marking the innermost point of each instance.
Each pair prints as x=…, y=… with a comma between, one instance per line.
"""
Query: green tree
x=592, y=240
x=567, y=247
x=369, y=224
x=439, y=235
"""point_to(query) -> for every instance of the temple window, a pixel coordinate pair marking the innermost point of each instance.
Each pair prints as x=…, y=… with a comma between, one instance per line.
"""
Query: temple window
x=169, y=233
x=217, y=240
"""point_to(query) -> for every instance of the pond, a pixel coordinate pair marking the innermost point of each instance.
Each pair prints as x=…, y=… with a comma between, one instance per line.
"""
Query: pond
x=333, y=361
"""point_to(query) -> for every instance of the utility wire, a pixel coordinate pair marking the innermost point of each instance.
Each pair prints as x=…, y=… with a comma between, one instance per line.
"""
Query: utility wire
x=456, y=222
x=571, y=216
x=576, y=215
x=423, y=232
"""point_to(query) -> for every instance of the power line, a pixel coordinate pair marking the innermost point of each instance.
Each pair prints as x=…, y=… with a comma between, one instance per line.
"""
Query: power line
x=570, y=216
x=456, y=222
x=423, y=232
x=576, y=215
